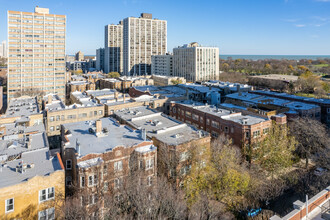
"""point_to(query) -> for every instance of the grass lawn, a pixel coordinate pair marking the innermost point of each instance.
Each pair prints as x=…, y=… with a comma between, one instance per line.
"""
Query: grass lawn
x=321, y=65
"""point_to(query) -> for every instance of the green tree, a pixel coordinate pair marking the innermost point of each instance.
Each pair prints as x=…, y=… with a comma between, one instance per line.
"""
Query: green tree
x=113, y=75
x=176, y=81
x=219, y=174
x=275, y=152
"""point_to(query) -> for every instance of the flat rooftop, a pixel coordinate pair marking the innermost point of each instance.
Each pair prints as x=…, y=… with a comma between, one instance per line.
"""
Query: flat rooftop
x=103, y=92
x=43, y=165
x=89, y=143
x=111, y=98
x=298, y=98
x=164, y=128
x=286, y=78
x=21, y=107
x=199, y=87
x=58, y=105
x=166, y=91
x=227, y=85
x=28, y=145
x=85, y=100
x=224, y=113
x=258, y=99
x=78, y=83
x=244, y=119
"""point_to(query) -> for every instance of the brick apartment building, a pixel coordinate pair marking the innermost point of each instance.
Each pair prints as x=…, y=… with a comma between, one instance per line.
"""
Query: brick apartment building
x=324, y=104
x=98, y=157
x=57, y=113
x=292, y=109
x=173, y=139
x=242, y=129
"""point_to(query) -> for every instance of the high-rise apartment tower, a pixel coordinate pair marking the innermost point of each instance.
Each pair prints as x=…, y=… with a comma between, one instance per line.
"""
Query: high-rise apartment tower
x=36, y=43
x=113, y=48
x=143, y=37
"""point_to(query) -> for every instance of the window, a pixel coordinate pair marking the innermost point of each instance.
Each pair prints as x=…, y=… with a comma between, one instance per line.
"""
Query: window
x=105, y=186
x=47, y=214
x=93, y=199
x=46, y=194
x=188, y=114
x=328, y=110
x=215, y=134
x=141, y=164
x=265, y=131
x=226, y=129
x=68, y=164
x=92, y=180
x=215, y=124
x=149, y=163
x=82, y=181
x=51, y=128
x=247, y=134
x=149, y=180
x=10, y=205
x=105, y=170
x=195, y=117
x=100, y=112
x=68, y=181
x=184, y=156
x=58, y=117
x=118, y=183
x=208, y=121
x=256, y=133
x=57, y=127
x=51, y=118
x=118, y=165
x=201, y=119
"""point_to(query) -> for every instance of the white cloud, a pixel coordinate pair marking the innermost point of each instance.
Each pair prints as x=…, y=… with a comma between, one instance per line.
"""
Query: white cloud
x=300, y=25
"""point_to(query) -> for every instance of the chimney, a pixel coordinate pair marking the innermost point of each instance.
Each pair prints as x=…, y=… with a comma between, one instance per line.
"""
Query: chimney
x=98, y=126
x=50, y=99
x=144, y=134
x=77, y=148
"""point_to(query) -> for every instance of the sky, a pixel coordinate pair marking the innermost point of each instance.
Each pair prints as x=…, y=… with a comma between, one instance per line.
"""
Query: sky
x=249, y=27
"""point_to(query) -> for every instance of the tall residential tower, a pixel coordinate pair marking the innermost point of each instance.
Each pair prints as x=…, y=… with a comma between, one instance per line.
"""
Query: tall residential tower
x=113, y=48
x=143, y=37
x=196, y=63
x=36, y=43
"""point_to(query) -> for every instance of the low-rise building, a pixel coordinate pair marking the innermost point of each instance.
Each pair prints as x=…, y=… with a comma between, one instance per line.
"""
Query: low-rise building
x=100, y=155
x=293, y=108
x=323, y=103
x=24, y=111
x=57, y=113
x=165, y=80
x=123, y=83
x=242, y=129
x=31, y=177
x=174, y=139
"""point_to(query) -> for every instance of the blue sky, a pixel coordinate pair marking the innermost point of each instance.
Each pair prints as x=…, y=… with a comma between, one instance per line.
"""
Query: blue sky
x=274, y=27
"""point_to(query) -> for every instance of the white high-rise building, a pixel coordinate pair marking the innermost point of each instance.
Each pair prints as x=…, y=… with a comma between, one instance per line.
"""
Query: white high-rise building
x=143, y=37
x=36, y=59
x=196, y=63
x=113, y=48
x=162, y=65
x=3, y=49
